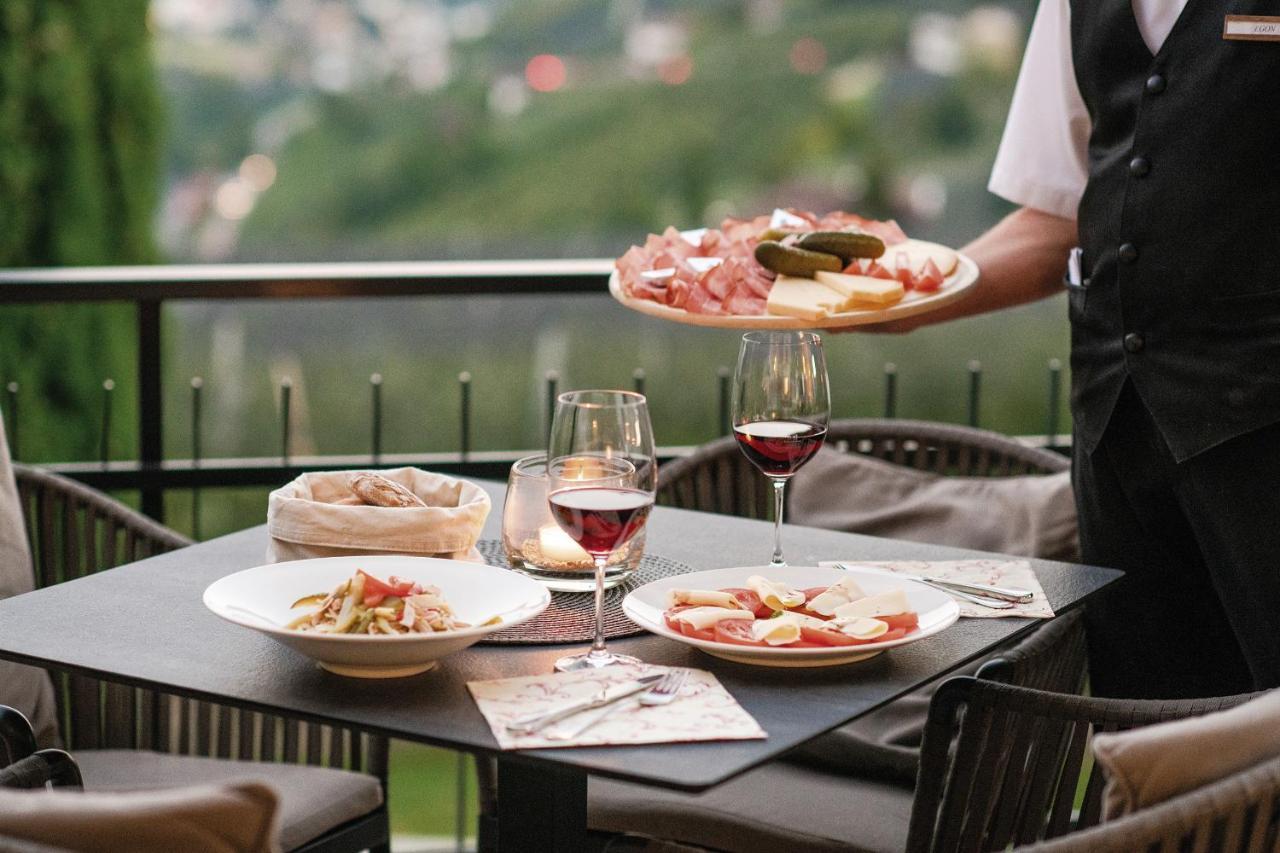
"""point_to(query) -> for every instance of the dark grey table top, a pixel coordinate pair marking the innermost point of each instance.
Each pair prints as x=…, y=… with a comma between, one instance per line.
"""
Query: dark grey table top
x=144, y=624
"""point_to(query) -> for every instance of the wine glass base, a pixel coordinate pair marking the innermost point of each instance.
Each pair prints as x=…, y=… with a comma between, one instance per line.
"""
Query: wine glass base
x=587, y=660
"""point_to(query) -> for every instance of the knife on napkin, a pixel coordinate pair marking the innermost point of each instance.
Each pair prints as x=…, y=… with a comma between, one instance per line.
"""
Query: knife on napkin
x=606, y=696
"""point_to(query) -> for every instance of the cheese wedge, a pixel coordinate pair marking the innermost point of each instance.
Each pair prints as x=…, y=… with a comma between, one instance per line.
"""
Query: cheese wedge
x=804, y=298
x=783, y=629
x=889, y=603
x=920, y=251
x=704, y=617
x=713, y=597
x=775, y=595
x=862, y=288
x=841, y=592
x=862, y=627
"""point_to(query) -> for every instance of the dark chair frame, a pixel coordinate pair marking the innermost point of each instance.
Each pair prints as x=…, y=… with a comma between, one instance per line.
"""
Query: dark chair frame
x=75, y=531
x=1000, y=764
x=717, y=477
x=27, y=766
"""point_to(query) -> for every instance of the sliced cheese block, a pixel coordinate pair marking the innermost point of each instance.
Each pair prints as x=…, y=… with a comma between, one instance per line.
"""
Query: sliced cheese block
x=920, y=251
x=841, y=592
x=783, y=629
x=862, y=288
x=776, y=596
x=889, y=603
x=713, y=597
x=862, y=627
x=704, y=617
x=804, y=298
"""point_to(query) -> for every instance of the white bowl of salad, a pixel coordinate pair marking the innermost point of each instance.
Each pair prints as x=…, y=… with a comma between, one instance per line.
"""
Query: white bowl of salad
x=794, y=616
x=376, y=617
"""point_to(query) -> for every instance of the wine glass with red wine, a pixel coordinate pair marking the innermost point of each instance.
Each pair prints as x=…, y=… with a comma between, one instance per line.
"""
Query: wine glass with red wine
x=781, y=408
x=601, y=476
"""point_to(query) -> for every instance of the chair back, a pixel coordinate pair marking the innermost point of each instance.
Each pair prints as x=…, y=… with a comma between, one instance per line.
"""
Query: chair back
x=76, y=531
x=1238, y=814
x=718, y=478
x=1018, y=762
x=1052, y=657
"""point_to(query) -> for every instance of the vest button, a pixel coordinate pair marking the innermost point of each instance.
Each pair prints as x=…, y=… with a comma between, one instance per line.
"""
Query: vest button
x=1139, y=166
x=1155, y=84
x=1133, y=342
x=1128, y=253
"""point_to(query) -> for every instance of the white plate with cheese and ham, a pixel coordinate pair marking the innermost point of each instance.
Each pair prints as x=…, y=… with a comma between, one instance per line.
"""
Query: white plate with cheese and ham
x=710, y=276
x=796, y=616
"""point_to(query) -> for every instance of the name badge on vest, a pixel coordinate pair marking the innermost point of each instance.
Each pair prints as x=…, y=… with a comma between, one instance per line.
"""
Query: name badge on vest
x=1251, y=28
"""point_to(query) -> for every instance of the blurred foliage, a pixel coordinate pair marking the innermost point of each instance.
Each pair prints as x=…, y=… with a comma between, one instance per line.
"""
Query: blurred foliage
x=79, y=166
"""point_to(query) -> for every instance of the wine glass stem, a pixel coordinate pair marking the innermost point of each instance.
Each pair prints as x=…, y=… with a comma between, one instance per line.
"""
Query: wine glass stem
x=597, y=642
x=779, y=483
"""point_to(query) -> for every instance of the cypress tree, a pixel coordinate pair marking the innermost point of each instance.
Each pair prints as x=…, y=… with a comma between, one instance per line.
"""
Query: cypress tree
x=80, y=142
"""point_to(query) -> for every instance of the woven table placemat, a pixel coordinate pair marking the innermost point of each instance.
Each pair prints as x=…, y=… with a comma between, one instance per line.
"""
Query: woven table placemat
x=571, y=616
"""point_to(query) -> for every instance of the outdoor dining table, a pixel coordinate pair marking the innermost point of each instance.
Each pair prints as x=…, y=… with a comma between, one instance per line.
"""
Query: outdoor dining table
x=95, y=625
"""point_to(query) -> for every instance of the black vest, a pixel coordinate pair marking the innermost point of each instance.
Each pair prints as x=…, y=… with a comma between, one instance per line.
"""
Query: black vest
x=1180, y=225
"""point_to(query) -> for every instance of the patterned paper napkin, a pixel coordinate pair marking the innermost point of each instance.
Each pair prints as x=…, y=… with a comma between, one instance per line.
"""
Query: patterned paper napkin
x=1015, y=573
x=703, y=710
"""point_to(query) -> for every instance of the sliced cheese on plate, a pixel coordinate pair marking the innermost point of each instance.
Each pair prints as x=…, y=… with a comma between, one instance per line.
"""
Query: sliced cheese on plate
x=888, y=603
x=918, y=252
x=704, y=617
x=841, y=592
x=713, y=597
x=777, y=596
x=862, y=288
x=862, y=627
x=804, y=298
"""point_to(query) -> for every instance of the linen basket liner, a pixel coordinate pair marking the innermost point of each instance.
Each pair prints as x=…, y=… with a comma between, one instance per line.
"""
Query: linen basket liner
x=305, y=512
x=570, y=618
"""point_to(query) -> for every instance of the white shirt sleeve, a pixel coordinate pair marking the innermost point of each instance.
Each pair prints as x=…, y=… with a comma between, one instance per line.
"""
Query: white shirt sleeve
x=1042, y=161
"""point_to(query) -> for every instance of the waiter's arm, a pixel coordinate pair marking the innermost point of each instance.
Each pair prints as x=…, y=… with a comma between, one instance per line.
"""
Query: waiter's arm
x=1022, y=259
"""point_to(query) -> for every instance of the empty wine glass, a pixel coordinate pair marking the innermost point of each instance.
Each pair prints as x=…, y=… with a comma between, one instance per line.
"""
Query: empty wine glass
x=781, y=408
x=601, y=476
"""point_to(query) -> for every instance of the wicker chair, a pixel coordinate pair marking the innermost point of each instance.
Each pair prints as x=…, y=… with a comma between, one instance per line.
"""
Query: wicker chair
x=1001, y=766
x=717, y=477
x=75, y=531
x=1238, y=814
x=25, y=765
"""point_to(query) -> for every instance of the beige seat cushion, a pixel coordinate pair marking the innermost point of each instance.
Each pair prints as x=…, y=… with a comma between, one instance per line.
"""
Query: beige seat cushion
x=22, y=687
x=1149, y=765
x=313, y=800
x=1031, y=516
x=235, y=818
x=773, y=808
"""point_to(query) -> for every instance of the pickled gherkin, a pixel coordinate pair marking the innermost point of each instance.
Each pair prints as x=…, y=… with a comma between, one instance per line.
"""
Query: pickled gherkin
x=845, y=244
x=791, y=260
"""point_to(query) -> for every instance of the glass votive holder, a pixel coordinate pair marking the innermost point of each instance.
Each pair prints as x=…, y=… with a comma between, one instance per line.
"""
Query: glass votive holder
x=537, y=547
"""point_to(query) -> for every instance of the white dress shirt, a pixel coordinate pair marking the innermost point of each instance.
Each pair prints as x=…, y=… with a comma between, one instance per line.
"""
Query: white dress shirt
x=1042, y=161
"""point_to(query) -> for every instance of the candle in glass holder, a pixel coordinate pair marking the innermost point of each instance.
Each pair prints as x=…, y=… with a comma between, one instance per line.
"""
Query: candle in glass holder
x=556, y=546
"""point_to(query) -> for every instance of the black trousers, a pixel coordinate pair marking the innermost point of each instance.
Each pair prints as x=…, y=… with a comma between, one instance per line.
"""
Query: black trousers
x=1198, y=613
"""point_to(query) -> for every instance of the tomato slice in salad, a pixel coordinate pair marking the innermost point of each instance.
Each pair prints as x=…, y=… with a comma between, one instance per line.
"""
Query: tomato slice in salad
x=737, y=632
x=376, y=590
x=827, y=637
x=908, y=622
x=749, y=600
x=682, y=627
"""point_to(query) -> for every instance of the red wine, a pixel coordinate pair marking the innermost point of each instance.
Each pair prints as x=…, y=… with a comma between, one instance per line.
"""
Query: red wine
x=600, y=519
x=779, y=448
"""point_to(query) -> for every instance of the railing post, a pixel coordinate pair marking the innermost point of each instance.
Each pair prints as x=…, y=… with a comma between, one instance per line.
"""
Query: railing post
x=724, y=425
x=375, y=391
x=464, y=402
x=286, y=393
x=12, y=391
x=197, y=450
x=1055, y=394
x=150, y=402
x=553, y=389
x=975, y=390
x=104, y=443
x=891, y=390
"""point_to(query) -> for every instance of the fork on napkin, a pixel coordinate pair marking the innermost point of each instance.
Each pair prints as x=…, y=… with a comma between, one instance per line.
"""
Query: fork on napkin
x=700, y=710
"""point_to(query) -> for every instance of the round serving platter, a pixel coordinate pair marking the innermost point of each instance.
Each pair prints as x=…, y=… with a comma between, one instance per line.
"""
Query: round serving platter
x=955, y=286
